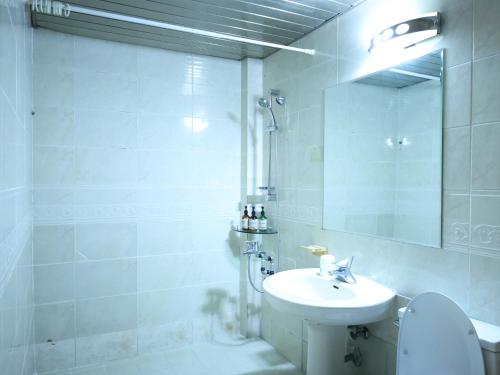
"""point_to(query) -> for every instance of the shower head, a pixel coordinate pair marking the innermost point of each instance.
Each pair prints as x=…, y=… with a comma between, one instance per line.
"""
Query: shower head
x=264, y=103
x=280, y=100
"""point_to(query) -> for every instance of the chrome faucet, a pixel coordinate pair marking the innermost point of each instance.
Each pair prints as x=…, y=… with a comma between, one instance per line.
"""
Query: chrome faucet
x=343, y=271
x=253, y=248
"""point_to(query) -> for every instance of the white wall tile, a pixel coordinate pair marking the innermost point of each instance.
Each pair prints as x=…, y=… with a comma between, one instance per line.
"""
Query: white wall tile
x=485, y=288
x=54, y=283
x=105, y=166
x=164, y=131
x=54, y=322
x=485, y=221
x=97, y=91
x=105, y=128
x=108, y=57
x=208, y=69
x=58, y=82
x=456, y=156
x=456, y=219
x=179, y=73
x=161, y=236
x=485, y=96
x=105, y=315
x=156, y=96
x=106, y=278
x=486, y=31
x=162, y=167
x=485, y=157
x=54, y=49
x=53, y=126
x=457, y=95
x=95, y=241
x=53, y=165
x=53, y=244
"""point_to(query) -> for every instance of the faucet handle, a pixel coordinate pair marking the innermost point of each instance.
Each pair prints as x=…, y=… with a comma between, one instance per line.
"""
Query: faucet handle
x=252, y=247
x=343, y=271
x=342, y=263
x=345, y=263
x=351, y=261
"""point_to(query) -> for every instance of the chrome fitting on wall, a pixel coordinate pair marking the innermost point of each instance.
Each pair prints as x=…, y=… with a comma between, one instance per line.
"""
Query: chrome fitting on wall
x=359, y=331
x=354, y=356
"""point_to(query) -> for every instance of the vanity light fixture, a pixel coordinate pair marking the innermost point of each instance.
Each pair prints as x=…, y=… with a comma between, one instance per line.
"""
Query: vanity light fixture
x=407, y=33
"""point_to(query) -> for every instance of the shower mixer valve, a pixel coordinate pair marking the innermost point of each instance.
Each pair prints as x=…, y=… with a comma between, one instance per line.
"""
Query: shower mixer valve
x=255, y=248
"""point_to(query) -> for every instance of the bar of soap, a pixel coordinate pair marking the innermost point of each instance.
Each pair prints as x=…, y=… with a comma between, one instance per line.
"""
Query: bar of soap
x=316, y=249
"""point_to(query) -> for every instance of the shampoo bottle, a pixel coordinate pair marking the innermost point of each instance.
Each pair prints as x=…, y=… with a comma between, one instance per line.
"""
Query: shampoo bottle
x=253, y=223
x=245, y=219
x=262, y=220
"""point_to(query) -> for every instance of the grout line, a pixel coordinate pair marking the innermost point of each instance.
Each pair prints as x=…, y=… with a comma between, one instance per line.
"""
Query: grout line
x=136, y=248
x=140, y=293
x=492, y=56
x=475, y=125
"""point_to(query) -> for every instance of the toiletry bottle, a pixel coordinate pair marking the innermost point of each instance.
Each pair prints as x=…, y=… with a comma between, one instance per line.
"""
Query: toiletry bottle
x=262, y=220
x=253, y=223
x=245, y=219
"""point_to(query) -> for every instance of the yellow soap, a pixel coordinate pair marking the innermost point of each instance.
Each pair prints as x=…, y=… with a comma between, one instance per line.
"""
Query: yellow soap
x=316, y=249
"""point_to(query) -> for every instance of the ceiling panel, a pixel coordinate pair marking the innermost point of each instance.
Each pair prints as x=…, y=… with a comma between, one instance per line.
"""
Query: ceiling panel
x=274, y=21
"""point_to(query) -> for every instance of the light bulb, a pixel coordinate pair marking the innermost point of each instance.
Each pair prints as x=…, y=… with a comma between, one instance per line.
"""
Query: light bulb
x=387, y=34
x=402, y=29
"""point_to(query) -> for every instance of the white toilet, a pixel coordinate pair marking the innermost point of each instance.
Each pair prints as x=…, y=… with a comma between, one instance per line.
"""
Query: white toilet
x=437, y=338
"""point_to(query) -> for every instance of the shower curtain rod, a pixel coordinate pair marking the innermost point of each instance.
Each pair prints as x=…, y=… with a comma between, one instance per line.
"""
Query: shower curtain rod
x=162, y=25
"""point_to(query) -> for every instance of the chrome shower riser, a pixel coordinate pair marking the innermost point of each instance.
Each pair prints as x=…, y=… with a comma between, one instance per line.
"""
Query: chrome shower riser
x=274, y=96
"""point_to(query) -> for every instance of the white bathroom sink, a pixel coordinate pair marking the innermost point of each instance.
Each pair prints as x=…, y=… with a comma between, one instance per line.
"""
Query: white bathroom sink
x=326, y=300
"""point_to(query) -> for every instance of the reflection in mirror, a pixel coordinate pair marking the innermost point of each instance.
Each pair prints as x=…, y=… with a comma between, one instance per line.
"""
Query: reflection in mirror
x=383, y=151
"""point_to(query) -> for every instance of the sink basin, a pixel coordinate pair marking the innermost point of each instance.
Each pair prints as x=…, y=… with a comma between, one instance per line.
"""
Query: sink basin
x=326, y=300
x=329, y=305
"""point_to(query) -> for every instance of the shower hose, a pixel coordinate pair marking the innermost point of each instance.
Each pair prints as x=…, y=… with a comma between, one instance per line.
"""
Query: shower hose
x=249, y=273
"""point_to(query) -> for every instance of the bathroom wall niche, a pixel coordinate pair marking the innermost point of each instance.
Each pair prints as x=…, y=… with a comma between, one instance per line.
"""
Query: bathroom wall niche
x=383, y=153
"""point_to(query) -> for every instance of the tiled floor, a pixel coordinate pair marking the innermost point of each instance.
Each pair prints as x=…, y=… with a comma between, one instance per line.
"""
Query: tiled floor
x=245, y=358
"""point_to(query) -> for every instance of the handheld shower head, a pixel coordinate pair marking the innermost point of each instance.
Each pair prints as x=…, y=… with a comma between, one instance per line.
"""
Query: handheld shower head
x=264, y=103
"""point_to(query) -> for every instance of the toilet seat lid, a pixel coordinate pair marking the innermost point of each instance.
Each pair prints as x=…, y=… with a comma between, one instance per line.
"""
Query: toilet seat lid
x=437, y=338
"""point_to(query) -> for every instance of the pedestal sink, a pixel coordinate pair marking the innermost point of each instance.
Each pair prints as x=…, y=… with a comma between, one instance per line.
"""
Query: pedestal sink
x=330, y=306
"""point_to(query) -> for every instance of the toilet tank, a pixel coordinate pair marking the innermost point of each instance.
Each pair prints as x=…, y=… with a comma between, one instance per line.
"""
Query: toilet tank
x=489, y=337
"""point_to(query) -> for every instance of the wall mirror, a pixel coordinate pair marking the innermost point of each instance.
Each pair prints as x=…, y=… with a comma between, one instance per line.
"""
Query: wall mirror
x=383, y=153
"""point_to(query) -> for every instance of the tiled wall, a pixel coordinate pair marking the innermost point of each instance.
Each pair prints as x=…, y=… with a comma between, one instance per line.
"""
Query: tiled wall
x=468, y=267
x=16, y=265
x=137, y=177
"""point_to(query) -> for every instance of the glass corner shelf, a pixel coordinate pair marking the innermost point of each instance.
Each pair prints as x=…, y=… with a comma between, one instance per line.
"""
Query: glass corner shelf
x=247, y=231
